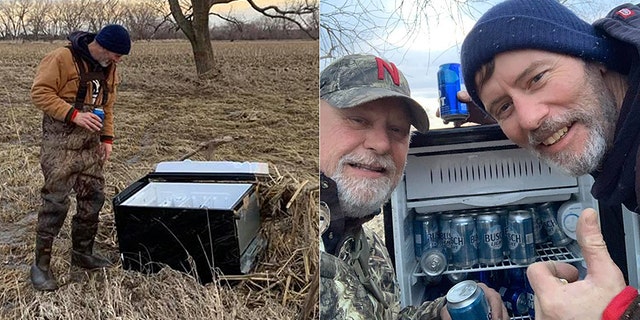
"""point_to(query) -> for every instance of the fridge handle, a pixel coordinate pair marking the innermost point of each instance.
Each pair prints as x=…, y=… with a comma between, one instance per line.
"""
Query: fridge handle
x=494, y=200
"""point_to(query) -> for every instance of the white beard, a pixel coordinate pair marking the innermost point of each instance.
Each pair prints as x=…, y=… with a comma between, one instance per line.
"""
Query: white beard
x=360, y=197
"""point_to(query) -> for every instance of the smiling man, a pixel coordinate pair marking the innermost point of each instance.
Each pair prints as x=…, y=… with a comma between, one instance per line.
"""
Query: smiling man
x=366, y=114
x=567, y=91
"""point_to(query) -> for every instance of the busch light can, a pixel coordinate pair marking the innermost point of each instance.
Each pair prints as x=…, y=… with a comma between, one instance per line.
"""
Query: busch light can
x=425, y=233
x=100, y=113
x=457, y=277
x=515, y=299
x=539, y=233
x=466, y=301
x=548, y=216
x=449, y=83
x=503, y=214
x=490, y=239
x=520, y=236
x=433, y=262
x=530, y=298
x=445, y=233
x=464, y=241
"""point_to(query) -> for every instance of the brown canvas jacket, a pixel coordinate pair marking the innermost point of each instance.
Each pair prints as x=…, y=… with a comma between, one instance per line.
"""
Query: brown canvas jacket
x=56, y=83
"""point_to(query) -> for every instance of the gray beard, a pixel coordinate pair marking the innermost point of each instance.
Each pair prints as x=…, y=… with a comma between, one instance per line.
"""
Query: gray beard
x=360, y=197
x=600, y=120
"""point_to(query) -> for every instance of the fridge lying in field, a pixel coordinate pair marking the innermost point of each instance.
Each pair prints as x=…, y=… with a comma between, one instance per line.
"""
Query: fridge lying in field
x=200, y=217
x=474, y=174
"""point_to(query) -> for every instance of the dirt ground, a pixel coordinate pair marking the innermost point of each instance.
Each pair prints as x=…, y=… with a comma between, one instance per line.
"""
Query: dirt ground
x=264, y=99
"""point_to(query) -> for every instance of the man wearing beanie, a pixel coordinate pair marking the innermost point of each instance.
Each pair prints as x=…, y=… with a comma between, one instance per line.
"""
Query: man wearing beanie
x=71, y=85
x=366, y=113
x=568, y=91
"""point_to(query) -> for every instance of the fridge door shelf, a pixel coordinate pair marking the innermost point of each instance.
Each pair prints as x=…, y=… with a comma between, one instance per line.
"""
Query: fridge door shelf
x=544, y=252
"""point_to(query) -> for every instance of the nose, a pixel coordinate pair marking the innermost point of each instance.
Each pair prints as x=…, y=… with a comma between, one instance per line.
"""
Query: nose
x=530, y=114
x=378, y=140
x=116, y=58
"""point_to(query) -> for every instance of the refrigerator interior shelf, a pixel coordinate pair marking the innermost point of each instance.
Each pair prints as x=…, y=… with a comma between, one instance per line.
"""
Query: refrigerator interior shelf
x=544, y=252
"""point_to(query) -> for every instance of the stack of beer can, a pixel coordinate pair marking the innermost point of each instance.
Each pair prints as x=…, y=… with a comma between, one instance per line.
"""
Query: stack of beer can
x=484, y=238
x=488, y=236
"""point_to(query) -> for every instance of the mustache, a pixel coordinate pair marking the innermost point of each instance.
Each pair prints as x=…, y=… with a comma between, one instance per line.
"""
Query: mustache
x=551, y=126
x=383, y=162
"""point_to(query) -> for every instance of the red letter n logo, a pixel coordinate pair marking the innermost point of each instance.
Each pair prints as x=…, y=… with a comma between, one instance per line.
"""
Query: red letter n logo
x=391, y=68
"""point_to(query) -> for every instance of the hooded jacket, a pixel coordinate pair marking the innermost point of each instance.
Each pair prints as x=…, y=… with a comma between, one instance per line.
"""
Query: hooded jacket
x=617, y=181
x=57, y=81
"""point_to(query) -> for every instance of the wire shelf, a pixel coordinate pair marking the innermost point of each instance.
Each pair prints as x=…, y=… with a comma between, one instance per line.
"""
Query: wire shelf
x=544, y=252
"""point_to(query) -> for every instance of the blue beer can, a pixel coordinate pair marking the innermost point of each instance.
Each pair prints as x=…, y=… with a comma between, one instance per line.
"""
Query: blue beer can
x=490, y=239
x=425, y=233
x=444, y=224
x=100, y=113
x=464, y=241
x=503, y=214
x=457, y=277
x=520, y=236
x=548, y=214
x=530, y=298
x=433, y=262
x=466, y=301
x=539, y=232
x=449, y=83
x=515, y=299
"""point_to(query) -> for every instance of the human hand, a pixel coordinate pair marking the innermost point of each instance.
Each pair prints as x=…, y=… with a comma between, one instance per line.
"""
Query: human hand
x=498, y=310
x=88, y=120
x=476, y=114
x=583, y=299
x=105, y=150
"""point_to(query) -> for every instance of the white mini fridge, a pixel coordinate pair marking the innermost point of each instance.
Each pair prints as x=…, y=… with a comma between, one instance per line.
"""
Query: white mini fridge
x=477, y=168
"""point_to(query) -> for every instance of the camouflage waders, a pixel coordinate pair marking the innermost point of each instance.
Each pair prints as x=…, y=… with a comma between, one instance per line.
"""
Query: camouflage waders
x=70, y=160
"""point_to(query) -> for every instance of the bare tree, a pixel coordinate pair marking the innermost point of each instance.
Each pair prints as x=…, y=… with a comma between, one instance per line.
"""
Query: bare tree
x=348, y=26
x=10, y=21
x=142, y=19
x=69, y=15
x=39, y=18
x=192, y=16
x=102, y=12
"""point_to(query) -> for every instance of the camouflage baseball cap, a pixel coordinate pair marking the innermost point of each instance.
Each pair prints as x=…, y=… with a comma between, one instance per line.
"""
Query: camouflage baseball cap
x=356, y=79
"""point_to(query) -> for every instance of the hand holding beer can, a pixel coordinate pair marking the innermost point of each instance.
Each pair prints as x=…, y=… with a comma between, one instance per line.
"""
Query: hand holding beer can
x=100, y=113
x=467, y=301
x=449, y=83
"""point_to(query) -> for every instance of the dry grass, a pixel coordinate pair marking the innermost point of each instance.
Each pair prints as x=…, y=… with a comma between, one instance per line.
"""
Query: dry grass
x=265, y=99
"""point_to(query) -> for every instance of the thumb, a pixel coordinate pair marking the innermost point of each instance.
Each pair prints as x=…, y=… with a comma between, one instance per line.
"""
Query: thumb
x=594, y=249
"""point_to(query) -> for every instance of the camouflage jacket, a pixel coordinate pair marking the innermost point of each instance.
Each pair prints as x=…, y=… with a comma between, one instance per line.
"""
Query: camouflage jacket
x=349, y=290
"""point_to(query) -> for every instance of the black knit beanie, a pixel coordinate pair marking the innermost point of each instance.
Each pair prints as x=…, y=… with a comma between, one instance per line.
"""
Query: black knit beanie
x=531, y=24
x=114, y=38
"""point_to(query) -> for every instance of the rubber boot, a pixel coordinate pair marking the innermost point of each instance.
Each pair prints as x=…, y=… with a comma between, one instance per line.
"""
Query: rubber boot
x=82, y=238
x=41, y=276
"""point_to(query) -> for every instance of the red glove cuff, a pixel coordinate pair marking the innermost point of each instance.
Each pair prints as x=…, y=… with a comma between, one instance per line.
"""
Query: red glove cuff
x=74, y=114
x=619, y=304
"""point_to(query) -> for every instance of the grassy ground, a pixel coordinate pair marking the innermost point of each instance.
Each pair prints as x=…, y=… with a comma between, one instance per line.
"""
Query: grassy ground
x=264, y=102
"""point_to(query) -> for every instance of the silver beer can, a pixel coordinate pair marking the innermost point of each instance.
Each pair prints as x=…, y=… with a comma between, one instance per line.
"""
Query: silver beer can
x=425, y=233
x=490, y=239
x=520, y=237
x=539, y=232
x=548, y=216
x=444, y=224
x=464, y=241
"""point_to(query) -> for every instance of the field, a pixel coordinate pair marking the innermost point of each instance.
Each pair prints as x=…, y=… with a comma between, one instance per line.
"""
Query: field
x=263, y=103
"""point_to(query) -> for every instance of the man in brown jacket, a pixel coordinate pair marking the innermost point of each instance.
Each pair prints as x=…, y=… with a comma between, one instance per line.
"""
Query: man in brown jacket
x=72, y=84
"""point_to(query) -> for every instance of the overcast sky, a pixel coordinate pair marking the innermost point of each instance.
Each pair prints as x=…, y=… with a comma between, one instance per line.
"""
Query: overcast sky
x=418, y=53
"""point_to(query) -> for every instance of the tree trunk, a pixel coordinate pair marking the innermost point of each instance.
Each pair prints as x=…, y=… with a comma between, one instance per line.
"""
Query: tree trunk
x=197, y=31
